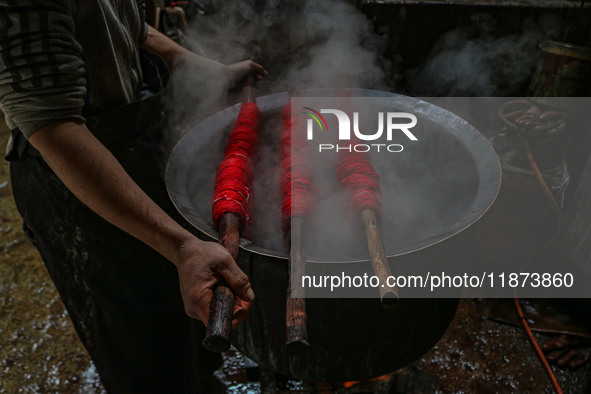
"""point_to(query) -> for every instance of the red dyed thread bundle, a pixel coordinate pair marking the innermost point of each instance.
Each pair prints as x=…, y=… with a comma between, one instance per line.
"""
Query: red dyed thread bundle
x=299, y=195
x=356, y=172
x=234, y=174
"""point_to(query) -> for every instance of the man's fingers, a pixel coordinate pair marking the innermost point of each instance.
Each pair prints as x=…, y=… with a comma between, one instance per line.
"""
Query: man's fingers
x=241, y=309
x=239, y=316
x=250, y=67
x=238, y=281
x=554, y=355
x=205, y=305
x=197, y=307
x=260, y=70
x=566, y=358
x=577, y=362
x=560, y=342
x=564, y=351
x=241, y=304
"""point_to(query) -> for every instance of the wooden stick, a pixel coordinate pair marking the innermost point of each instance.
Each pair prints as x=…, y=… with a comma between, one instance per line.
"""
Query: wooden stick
x=296, y=336
x=217, y=335
x=379, y=261
x=249, y=90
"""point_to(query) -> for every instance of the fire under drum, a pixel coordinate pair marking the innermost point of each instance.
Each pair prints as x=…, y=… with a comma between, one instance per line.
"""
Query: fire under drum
x=430, y=196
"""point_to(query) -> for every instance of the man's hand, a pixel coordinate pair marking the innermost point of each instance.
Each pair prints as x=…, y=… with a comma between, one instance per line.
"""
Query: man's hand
x=91, y=172
x=237, y=73
x=567, y=351
x=211, y=75
x=208, y=73
x=201, y=266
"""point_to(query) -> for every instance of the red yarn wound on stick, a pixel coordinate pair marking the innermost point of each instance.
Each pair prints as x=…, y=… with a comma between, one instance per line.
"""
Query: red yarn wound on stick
x=299, y=195
x=234, y=174
x=355, y=171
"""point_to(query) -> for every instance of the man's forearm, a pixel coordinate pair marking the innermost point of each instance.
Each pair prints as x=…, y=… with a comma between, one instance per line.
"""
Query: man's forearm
x=91, y=172
x=206, y=74
x=173, y=53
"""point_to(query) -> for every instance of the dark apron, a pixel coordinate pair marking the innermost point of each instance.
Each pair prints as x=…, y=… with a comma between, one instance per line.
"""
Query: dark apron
x=122, y=296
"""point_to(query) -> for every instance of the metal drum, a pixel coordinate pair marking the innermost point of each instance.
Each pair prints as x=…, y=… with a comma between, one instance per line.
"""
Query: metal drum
x=351, y=339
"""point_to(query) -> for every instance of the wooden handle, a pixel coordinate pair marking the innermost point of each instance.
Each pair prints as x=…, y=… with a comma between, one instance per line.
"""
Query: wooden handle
x=249, y=90
x=217, y=335
x=296, y=336
x=379, y=262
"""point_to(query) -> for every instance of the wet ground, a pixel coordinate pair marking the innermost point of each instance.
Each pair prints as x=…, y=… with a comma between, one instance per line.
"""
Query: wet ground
x=480, y=355
x=40, y=352
x=476, y=355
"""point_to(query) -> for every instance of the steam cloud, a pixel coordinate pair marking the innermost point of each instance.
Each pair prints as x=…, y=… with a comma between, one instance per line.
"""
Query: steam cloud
x=330, y=43
x=478, y=60
x=304, y=44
